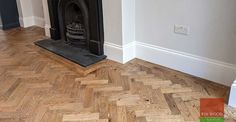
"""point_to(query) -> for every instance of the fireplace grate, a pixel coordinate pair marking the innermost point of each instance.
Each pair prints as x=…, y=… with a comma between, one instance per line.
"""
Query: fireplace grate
x=76, y=33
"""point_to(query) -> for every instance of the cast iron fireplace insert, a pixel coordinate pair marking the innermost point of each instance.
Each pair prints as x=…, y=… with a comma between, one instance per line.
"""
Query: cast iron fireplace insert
x=76, y=30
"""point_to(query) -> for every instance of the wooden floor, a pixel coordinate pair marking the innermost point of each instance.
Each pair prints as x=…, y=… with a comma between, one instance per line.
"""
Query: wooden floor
x=38, y=86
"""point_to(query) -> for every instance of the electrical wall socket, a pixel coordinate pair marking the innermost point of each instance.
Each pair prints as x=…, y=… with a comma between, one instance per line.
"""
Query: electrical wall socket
x=181, y=29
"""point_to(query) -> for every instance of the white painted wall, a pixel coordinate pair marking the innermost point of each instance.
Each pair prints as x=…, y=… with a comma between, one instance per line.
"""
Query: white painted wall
x=25, y=12
x=30, y=13
x=128, y=21
x=37, y=6
x=212, y=26
x=25, y=8
x=119, y=21
x=112, y=16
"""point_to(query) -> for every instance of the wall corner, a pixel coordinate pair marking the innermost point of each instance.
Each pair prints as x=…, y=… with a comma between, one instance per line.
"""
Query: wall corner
x=232, y=98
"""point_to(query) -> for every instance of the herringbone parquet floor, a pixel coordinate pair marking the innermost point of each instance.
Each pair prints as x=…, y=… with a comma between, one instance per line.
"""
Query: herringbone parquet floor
x=38, y=86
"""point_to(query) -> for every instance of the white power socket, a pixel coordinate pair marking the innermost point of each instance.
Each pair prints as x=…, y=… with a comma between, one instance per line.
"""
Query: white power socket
x=181, y=29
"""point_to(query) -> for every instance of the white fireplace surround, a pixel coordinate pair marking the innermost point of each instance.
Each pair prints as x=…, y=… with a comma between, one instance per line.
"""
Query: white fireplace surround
x=122, y=44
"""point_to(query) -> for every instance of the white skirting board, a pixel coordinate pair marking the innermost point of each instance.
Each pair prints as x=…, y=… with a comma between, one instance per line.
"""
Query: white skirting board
x=26, y=21
x=129, y=52
x=232, y=98
x=32, y=21
x=113, y=52
x=47, y=30
x=121, y=54
x=39, y=22
x=213, y=70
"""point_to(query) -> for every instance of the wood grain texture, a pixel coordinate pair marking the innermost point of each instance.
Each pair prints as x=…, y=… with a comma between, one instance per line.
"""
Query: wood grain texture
x=38, y=86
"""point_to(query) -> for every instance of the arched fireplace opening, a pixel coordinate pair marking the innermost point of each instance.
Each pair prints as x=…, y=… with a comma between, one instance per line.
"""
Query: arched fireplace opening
x=76, y=23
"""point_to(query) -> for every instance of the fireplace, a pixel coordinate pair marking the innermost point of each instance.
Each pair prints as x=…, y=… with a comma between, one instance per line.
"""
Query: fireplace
x=76, y=30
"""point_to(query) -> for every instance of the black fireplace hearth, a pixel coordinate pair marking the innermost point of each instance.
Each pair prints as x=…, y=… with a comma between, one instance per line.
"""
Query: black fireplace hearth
x=76, y=30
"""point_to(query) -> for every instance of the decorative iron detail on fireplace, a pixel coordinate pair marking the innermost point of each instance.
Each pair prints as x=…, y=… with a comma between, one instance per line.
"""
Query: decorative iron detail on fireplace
x=77, y=25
